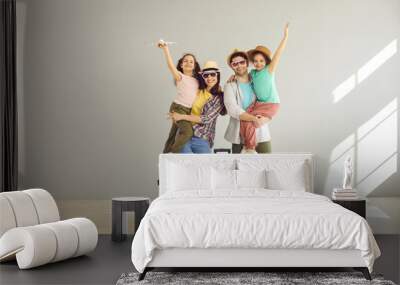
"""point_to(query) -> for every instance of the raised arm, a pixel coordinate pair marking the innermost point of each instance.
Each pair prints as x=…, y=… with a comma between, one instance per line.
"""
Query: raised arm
x=277, y=55
x=170, y=63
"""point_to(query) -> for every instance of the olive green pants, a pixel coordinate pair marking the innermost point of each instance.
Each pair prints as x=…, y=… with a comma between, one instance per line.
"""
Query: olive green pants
x=262, y=147
x=180, y=132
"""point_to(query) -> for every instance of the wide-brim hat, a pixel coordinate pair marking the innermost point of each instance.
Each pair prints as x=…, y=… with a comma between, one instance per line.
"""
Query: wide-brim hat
x=234, y=53
x=259, y=49
x=210, y=65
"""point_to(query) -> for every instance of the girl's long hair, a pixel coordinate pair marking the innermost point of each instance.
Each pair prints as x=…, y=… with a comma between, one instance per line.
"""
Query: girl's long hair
x=266, y=58
x=196, y=69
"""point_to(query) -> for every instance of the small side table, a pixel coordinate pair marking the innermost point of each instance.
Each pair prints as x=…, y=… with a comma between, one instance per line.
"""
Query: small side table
x=139, y=205
x=357, y=206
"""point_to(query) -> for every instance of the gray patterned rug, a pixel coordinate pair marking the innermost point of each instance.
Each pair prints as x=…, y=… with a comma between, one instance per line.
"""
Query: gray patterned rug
x=243, y=278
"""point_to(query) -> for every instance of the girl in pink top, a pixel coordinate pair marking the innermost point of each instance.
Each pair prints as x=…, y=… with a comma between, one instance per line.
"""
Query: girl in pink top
x=185, y=75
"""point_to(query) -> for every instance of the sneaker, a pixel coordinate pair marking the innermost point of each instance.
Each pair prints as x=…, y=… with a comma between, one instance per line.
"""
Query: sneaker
x=248, y=151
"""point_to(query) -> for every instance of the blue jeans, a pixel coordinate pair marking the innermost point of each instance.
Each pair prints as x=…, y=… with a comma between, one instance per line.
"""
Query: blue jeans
x=196, y=145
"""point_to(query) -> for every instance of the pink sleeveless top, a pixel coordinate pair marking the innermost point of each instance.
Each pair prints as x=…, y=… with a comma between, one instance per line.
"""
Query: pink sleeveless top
x=187, y=89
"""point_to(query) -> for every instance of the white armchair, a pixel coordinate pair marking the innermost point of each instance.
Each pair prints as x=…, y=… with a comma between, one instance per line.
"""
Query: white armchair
x=31, y=230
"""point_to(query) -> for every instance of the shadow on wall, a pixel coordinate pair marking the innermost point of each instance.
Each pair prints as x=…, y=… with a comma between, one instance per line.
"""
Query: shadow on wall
x=373, y=145
x=373, y=165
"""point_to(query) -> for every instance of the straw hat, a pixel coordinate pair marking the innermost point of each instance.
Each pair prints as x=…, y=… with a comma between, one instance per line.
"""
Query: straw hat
x=262, y=49
x=210, y=65
x=236, y=52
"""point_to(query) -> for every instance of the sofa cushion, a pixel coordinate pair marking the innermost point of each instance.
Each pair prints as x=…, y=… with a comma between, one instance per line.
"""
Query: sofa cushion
x=41, y=244
x=46, y=207
x=23, y=208
x=7, y=215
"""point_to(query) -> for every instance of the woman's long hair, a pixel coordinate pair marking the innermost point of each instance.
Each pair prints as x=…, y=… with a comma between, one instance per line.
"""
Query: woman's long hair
x=216, y=90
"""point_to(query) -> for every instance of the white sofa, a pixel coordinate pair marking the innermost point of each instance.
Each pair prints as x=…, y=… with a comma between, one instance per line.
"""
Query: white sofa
x=31, y=230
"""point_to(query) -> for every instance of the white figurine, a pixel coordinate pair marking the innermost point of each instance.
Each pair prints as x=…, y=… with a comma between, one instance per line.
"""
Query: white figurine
x=348, y=173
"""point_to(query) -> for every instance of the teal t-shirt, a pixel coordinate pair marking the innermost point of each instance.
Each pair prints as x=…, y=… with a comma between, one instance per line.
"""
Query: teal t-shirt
x=264, y=86
x=247, y=94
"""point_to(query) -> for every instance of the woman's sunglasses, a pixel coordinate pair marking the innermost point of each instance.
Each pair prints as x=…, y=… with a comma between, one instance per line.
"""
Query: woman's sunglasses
x=236, y=63
x=206, y=75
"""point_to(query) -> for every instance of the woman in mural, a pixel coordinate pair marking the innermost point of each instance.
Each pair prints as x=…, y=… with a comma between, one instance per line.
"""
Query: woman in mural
x=208, y=105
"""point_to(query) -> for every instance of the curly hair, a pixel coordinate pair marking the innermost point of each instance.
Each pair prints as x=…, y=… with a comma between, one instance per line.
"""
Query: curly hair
x=196, y=69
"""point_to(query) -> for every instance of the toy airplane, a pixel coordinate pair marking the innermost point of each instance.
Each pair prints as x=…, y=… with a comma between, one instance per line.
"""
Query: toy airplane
x=162, y=42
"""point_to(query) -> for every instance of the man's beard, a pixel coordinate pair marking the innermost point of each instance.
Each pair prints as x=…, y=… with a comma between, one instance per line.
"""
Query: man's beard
x=244, y=72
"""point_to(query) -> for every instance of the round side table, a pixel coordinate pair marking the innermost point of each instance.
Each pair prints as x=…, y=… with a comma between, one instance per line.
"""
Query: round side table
x=139, y=205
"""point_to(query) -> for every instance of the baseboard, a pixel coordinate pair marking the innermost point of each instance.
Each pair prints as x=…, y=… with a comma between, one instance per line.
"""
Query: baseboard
x=99, y=211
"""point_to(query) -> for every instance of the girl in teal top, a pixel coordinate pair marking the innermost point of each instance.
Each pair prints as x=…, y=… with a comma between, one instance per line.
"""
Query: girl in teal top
x=263, y=83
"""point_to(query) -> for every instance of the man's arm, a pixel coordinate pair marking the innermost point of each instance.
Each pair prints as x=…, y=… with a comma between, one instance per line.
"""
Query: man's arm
x=247, y=117
x=179, y=117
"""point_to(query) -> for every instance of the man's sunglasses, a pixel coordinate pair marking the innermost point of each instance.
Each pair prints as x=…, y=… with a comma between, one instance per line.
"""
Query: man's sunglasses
x=206, y=75
x=236, y=63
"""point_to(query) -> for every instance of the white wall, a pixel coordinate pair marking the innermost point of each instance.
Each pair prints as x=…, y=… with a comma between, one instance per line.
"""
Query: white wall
x=94, y=93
